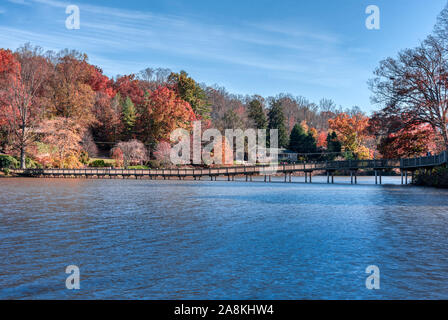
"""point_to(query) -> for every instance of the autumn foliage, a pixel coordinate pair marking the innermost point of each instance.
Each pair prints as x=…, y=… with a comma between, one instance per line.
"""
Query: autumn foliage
x=58, y=109
x=411, y=141
x=353, y=134
x=50, y=102
x=162, y=112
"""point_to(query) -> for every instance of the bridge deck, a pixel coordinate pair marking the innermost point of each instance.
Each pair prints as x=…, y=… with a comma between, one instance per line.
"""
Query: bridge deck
x=327, y=166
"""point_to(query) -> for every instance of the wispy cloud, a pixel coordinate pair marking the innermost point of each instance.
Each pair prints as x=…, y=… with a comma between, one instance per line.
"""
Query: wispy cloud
x=292, y=31
x=105, y=31
x=21, y=2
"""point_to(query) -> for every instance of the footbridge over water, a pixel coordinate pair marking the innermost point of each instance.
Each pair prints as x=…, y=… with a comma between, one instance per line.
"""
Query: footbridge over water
x=406, y=167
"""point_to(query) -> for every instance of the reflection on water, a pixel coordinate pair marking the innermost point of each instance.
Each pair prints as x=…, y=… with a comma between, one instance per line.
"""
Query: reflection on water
x=222, y=240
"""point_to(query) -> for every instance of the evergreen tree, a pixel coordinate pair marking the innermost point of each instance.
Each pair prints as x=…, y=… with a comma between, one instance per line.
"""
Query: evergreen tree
x=191, y=92
x=231, y=120
x=277, y=121
x=302, y=142
x=129, y=117
x=333, y=145
x=310, y=143
x=257, y=115
x=297, y=138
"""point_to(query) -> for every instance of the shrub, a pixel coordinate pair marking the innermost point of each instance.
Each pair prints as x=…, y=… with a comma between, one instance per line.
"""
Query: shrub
x=117, y=155
x=84, y=157
x=162, y=153
x=132, y=151
x=99, y=163
x=155, y=164
x=31, y=164
x=437, y=177
x=138, y=167
x=8, y=162
x=6, y=171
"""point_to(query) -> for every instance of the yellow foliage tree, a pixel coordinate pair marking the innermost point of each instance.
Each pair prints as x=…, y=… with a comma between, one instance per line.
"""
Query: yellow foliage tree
x=352, y=132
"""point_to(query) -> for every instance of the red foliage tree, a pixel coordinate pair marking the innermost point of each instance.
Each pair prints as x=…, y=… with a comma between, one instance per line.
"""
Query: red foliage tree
x=21, y=101
x=411, y=141
x=99, y=82
x=130, y=87
x=163, y=112
x=107, y=126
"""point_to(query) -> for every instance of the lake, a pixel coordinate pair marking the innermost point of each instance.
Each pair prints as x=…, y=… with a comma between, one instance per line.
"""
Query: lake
x=142, y=239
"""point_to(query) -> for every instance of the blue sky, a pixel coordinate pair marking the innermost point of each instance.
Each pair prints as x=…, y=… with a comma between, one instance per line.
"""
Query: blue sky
x=316, y=49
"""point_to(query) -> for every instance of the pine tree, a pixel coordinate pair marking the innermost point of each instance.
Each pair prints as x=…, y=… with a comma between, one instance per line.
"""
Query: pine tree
x=191, y=92
x=231, y=120
x=333, y=145
x=297, y=138
x=129, y=117
x=277, y=121
x=302, y=142
x=257, y=115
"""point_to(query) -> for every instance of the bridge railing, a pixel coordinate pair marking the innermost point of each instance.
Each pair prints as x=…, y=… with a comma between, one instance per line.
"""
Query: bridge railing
x=349, y=164
x=364, y=164
x=435, y=160
x=428, y=161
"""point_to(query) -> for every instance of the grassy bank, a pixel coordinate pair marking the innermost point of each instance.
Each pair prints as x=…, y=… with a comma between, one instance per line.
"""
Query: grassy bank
x=437, y=177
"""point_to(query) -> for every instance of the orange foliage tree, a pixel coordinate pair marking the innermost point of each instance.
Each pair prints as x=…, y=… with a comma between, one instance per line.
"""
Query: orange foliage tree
x=163, y=112
x=73, y=97
x=63, y=138
x=353, y=134
x=322, y=139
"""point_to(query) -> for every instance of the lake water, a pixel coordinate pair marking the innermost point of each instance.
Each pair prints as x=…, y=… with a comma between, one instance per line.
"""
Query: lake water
x=142, y=239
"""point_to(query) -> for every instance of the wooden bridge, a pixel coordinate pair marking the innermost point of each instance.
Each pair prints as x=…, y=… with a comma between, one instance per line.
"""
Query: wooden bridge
x=405, y=166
